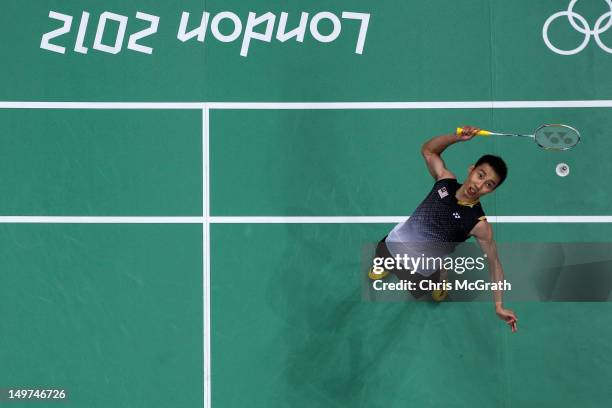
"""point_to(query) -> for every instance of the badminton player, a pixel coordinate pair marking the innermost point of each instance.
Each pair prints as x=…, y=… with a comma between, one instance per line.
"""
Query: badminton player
x=451, y=213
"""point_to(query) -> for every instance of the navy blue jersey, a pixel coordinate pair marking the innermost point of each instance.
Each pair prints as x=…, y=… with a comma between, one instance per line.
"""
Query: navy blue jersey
x=439, y=218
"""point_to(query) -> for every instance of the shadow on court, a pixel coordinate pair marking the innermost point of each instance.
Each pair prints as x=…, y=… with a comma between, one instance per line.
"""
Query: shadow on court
x=340, y=351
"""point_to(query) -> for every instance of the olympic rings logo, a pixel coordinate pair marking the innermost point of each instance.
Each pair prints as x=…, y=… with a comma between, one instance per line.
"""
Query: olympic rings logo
x=582, y=28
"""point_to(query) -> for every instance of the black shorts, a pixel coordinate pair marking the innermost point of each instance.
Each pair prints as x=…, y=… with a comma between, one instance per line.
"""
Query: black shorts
x=406, y=274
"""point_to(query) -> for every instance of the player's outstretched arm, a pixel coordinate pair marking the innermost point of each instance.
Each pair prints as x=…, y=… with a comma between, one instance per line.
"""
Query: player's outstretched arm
x=483, y=232
x=433, y=148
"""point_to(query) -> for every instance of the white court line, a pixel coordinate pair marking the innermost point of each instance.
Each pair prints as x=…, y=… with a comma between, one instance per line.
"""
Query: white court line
x=27, y=219
x=554, y=219
x=413, y=105
x=206, y=255
x=102, y=105
x=207, y=220
x=501, y=219
x=309, y=105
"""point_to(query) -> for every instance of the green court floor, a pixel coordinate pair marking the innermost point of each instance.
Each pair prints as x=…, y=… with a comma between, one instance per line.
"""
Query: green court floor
x=115, y=312
x=150, y=254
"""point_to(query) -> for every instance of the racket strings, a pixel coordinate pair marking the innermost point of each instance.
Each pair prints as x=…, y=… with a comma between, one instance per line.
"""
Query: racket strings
x=557, y=137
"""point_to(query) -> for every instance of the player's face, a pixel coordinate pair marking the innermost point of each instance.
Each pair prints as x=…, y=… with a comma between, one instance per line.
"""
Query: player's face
x=481, y=180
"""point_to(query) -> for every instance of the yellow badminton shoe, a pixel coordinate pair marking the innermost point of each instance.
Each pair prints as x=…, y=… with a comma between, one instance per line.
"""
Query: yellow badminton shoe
x=377, y=275
x=439, y=295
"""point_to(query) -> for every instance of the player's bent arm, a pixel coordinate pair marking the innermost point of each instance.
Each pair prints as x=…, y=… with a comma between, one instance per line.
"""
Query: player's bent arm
x=483, y=232
x=433, y=148
x=432, y=153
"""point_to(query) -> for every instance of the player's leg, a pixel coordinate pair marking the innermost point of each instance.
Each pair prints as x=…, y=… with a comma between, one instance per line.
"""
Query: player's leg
x=376, y=273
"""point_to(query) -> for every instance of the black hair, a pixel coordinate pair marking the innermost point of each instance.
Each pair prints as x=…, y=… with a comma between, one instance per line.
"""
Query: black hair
x=498, y=165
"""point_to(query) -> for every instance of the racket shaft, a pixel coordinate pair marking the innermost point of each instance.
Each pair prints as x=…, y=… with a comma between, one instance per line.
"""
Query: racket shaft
x=513, y=135
x=489, y=133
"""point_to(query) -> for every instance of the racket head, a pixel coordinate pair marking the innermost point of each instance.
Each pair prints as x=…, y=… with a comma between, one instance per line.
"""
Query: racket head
x=556, y=137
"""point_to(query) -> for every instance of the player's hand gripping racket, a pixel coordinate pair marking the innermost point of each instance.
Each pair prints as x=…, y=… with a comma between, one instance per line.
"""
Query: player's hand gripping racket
x=550, y=137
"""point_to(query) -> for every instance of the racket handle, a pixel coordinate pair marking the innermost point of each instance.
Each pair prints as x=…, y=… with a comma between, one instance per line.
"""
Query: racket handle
x=480, y=132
